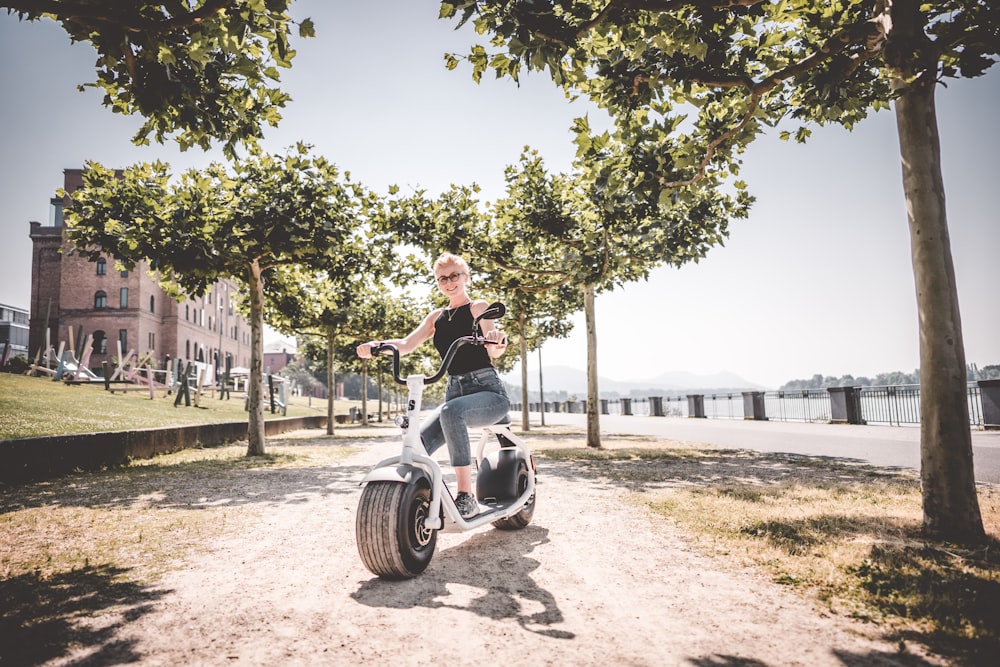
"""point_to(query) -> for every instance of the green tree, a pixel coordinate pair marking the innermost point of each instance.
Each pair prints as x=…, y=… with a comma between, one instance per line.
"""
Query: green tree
x=199, y=71
x=694, y=81
x=454, y=222
x=268, y=211
x=556, y=230
x=391, y=314
x=307, y=302
x=537, y=314
x=538, y=304
x=344, y=310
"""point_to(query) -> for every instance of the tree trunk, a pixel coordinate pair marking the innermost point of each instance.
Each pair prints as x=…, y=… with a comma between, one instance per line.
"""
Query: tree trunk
x=331, y=380
x=523, y=325
x=950, y=503
x=255, y=428
x=593, y=415
x=364, y=392
x=381, y=394
x=541, y=388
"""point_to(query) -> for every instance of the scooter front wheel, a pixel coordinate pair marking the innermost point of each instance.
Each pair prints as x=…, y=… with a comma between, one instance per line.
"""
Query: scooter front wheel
x=393, y=538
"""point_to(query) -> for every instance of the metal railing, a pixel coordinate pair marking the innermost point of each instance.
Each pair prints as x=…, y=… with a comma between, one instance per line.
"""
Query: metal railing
x=895, y=405
x=806, y=405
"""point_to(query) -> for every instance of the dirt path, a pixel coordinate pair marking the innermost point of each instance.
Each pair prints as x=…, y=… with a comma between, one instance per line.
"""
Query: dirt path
x=592, y=581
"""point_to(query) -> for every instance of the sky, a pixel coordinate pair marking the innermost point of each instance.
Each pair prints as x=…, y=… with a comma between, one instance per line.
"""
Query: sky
x=817, y=280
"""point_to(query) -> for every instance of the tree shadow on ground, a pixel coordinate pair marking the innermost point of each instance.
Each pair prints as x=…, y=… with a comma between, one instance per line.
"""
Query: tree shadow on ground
x=868, y=659
x=508, y=589
x=83, y=611
x=191, y=484
x=647, y=469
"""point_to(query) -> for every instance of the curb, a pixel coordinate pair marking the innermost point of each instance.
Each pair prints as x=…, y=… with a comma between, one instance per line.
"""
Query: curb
x=31, y=459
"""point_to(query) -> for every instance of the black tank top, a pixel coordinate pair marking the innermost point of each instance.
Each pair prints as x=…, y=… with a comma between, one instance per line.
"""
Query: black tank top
x=447, y=331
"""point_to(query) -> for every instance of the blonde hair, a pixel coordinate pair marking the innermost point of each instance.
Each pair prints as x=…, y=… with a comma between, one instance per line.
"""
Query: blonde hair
x=449, y=258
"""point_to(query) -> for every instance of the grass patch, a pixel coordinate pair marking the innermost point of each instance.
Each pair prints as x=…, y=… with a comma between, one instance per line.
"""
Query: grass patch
x=36, y=406
x=621, y=454
x=845, y=534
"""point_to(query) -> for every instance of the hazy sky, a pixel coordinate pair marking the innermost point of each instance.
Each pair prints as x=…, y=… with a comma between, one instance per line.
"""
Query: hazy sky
x=818, y=280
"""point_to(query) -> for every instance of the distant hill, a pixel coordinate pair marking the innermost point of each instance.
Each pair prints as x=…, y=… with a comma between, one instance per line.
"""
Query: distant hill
x=574, y=381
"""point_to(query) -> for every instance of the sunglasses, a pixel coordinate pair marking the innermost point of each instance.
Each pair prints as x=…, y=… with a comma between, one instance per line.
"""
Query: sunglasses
x=453, y=278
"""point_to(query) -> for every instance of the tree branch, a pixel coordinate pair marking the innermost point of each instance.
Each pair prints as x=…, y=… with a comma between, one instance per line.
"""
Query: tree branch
x=97, y=17
x=565, y=278
x=869, y=32
x=655, y=7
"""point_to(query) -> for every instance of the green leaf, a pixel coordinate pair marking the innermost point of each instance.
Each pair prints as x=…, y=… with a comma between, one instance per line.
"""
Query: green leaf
x=307, y=28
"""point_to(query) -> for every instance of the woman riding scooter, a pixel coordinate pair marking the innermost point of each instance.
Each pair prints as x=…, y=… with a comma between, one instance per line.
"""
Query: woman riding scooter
x=475, y=396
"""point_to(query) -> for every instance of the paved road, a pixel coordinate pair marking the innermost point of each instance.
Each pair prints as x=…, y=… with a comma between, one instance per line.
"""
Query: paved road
x=891, y=446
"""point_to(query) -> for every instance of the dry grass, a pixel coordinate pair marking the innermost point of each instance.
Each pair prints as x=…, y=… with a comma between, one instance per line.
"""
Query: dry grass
x=848, y=535
x=151, y=514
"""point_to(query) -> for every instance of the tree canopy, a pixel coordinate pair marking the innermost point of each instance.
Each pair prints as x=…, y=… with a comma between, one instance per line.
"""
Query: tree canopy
x=268, y=211
x=198, y=71
x=553, y=230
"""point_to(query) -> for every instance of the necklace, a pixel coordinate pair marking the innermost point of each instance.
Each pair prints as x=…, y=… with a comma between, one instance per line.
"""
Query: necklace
x=451, y=311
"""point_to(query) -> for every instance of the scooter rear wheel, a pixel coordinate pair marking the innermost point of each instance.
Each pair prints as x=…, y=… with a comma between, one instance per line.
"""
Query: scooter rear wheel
x=393, y=539
x=522, y=518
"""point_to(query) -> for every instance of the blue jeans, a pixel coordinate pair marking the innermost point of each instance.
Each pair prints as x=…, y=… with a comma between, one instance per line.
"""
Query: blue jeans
x=473, y=400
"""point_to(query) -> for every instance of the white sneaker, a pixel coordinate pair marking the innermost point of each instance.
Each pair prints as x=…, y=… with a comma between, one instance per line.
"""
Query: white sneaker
x=467, y=505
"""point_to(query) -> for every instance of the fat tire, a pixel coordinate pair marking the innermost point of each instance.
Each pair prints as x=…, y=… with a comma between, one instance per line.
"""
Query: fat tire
x=522, y=518
x=392, y=540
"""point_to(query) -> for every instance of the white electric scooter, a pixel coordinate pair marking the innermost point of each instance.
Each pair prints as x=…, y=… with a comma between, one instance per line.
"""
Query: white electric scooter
x=405, y=501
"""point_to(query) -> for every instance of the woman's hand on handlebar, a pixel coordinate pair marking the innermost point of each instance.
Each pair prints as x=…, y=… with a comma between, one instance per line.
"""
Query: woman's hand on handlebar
x=496, y=337
x=365, y=350
x=498, y=342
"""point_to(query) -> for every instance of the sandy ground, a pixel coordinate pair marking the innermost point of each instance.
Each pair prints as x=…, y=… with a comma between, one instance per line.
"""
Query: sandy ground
x=594, y=580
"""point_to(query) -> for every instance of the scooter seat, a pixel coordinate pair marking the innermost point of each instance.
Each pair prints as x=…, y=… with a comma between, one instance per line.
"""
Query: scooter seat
x=503, y=420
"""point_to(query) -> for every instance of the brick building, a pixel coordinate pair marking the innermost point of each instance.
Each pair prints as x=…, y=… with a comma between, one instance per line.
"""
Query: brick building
x=93, y=298
x=277, y=355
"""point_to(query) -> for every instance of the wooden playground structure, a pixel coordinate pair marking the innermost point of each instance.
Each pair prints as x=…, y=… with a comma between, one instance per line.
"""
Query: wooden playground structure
x=134, y=372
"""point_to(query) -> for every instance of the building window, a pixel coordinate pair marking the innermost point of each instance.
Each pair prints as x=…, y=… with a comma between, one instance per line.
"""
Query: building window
x=152, y=305
x=123, y=339
x=124, y=274
x=187, y=349
x=123, y=296
x=152, y=341
x=102, y=266
x=187, y=312
x=100, y=299
x=100, y=344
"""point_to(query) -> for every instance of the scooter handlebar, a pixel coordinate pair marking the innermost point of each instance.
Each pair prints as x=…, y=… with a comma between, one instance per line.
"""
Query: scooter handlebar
x=386, y=348
x=493, y=311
